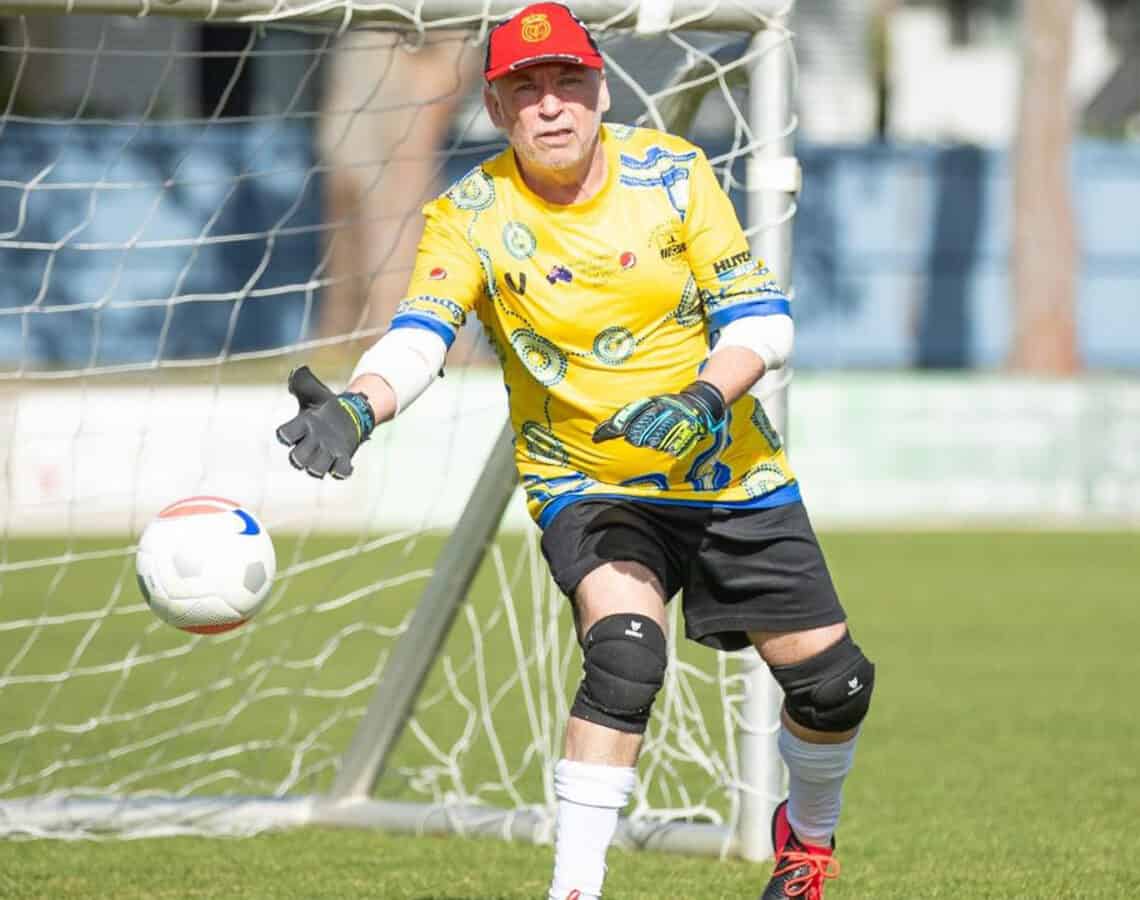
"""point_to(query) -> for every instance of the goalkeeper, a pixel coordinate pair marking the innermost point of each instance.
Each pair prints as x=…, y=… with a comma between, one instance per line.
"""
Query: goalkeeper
x=604, y=262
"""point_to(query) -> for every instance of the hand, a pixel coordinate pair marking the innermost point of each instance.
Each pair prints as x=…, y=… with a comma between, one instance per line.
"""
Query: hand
x=327, y=429
x=671, y=423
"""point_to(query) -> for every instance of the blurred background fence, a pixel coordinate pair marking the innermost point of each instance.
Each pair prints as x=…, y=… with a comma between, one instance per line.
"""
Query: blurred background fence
x=902, y=255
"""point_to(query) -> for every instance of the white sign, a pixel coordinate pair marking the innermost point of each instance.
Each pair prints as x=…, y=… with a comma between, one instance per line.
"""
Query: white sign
x=869, y=450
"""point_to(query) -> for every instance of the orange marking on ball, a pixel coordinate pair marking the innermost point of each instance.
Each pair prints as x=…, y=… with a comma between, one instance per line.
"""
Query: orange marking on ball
x=213, y=629
x=193, y=506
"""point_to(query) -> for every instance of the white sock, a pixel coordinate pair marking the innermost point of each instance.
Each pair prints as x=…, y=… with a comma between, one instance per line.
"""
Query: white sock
x=590, y=796
x=815, y=785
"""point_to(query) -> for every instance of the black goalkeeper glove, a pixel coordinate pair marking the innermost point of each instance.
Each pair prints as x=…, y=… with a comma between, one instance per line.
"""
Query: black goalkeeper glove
x=328, y=427
x=671, y=423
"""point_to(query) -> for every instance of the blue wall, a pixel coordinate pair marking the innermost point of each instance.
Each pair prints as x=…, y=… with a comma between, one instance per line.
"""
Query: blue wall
x=72, y=295
x=901, y=254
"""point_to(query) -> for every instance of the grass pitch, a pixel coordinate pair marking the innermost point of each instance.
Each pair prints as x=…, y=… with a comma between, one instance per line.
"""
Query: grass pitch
x=1001, y=758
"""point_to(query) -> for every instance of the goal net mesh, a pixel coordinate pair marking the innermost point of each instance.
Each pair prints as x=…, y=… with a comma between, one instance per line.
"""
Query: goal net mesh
x=188, y=211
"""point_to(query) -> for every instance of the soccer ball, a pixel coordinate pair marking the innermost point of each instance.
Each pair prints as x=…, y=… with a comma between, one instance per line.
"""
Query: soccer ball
x=205, y=565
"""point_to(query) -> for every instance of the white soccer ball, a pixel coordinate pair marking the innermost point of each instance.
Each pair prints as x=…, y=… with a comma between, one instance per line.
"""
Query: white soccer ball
x=205, y=564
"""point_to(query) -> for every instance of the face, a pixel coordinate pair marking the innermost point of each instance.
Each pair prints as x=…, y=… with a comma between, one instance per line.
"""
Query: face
x=551, y=112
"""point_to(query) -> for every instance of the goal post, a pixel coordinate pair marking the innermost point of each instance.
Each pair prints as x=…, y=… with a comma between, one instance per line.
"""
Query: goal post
x=646, y=17
x=124, y=745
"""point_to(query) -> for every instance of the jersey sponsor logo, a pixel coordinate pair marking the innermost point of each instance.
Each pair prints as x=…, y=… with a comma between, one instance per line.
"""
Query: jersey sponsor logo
x=745, y=268
x=535, y=28
x=670, y=247
x=519, y=287
x=628, y=260
x=559, y=273
x=731, y=262
x=437, y=274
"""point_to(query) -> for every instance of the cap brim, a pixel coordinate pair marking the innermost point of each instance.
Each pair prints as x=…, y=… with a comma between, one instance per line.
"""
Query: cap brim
x=590, y=62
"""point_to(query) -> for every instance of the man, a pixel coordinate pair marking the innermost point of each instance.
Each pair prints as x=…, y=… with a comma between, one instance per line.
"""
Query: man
x=603, y=262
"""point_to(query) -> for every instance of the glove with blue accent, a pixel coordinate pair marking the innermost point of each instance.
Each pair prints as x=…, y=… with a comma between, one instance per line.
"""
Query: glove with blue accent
x=671, y=423
x=328, y=427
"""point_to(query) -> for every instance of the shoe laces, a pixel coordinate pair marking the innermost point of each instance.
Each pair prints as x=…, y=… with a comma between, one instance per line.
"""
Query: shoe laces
x=809, y=884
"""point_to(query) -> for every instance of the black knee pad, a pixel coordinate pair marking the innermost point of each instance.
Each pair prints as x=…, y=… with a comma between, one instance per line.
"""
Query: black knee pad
x=623, y=669
x=831, y=691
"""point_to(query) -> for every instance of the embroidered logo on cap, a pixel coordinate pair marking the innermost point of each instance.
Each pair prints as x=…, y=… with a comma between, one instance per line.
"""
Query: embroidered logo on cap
x=535, y=28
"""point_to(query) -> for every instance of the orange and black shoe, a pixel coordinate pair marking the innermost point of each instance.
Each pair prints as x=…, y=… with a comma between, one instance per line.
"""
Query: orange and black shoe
x=800, y=868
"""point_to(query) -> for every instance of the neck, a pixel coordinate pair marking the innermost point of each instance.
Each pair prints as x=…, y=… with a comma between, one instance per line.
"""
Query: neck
x=565, y=187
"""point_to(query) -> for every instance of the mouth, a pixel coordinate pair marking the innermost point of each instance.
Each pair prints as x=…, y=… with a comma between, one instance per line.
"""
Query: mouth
x=556, y=135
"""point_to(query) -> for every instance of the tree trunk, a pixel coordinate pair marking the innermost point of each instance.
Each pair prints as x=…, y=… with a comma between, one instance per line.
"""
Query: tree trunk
x=1044, y=234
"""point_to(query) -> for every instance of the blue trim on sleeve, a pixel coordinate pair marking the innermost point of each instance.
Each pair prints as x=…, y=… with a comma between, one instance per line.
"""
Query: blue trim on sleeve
x=719, y=319
x=781, y=496
x=430, y=323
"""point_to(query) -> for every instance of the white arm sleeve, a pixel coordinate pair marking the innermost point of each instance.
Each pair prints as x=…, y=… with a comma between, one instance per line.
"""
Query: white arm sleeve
x=407, y=358
x=769, y=337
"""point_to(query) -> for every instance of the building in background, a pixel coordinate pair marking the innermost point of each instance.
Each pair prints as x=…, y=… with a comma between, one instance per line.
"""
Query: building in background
x=836, y=95
x=954, y=69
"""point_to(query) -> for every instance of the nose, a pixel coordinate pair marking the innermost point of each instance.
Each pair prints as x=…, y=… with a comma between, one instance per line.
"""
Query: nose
x=550, y=105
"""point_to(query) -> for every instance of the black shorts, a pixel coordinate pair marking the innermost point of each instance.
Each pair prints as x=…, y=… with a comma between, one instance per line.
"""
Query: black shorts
x=739, y=570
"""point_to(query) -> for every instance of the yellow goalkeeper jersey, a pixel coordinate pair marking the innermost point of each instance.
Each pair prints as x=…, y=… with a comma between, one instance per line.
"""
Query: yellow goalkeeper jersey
x=594, y=305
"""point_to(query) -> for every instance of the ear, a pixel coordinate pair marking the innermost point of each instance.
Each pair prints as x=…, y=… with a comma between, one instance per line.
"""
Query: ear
x=493, y=105
x=603, y=95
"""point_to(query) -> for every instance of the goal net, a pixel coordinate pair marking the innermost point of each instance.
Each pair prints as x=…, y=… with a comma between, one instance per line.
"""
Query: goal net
x=196, y=198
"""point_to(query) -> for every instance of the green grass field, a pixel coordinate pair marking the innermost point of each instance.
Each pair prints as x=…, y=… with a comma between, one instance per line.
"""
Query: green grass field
x=1001, y=758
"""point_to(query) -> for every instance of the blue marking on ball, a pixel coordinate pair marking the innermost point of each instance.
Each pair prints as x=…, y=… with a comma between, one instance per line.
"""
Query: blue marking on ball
x=250, y=522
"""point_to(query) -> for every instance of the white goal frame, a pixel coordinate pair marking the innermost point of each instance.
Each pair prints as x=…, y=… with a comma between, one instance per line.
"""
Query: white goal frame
x=774, y=180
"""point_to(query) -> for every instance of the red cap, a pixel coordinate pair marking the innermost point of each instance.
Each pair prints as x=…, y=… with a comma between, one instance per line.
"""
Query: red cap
x=542, y=32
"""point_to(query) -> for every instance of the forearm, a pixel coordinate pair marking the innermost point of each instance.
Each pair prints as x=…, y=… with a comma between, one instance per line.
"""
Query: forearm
x=732, y=371
x=747, y=348
x=379, y=393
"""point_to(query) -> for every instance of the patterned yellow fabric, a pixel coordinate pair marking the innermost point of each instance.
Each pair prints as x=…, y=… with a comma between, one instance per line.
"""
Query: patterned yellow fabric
x=594, y=305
